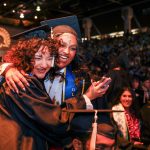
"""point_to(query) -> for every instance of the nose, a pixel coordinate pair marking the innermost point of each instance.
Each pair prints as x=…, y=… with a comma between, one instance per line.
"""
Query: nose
x=66, y=50
x=44, y=63
x=128, y=99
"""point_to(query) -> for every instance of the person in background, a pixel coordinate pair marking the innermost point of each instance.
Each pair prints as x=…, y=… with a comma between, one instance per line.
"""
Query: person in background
x=99, y=135
x=146, y=88
x=137, y=88
x=105, y=138
x=119, y=75
x=145, y=113
x=128, y=121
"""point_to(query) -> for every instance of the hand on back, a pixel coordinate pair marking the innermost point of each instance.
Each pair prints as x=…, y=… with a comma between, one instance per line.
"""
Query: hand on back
x=15, y=78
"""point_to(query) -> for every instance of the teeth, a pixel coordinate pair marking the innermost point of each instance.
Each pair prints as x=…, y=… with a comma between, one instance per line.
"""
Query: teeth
x=41, y=69
x=64, y=57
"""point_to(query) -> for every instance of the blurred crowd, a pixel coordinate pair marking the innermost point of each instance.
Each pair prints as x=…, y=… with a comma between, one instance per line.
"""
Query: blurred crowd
x=132, y=52
x=100, y=53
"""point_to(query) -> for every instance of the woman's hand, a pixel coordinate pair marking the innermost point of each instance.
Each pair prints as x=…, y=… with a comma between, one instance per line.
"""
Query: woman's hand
x=13, y=78
x=98, y=88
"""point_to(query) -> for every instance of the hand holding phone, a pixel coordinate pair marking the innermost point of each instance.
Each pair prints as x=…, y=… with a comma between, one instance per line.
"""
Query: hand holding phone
x=105, y=81
x=98, y=88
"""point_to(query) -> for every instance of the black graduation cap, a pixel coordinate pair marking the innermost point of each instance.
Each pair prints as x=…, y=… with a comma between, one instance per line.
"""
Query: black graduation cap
x=40, y=32
x=71, y=21
x=81, y=125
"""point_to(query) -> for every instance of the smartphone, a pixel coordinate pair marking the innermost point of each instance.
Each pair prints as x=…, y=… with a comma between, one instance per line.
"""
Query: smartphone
x=106, y=84
x=102, y=79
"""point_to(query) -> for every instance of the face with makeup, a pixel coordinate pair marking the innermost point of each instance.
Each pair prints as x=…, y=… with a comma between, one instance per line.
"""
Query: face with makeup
x=67, y=50
x=42, y=62
x=126, y=99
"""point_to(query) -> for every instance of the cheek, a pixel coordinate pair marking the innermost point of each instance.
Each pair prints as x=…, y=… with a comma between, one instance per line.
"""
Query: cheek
x=34, y=63
x=122, y=99
x=130, y=102
x=136, y=84
x=72, y=55
x=125, y=102
x=60, y=50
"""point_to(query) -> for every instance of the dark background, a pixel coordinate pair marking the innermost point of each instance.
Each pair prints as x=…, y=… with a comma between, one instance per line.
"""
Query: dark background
x=105, y=14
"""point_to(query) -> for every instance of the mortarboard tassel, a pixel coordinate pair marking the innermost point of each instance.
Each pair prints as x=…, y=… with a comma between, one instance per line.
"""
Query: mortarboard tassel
x=52, y=33
x=53, y=60
x=94, y=132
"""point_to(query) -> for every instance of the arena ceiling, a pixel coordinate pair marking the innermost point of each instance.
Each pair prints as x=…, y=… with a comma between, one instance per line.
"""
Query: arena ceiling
x=105, y=14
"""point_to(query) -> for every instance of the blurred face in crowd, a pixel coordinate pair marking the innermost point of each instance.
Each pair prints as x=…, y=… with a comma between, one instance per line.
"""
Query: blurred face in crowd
x=78, y=144
x=68, y=49
x=126, y=99
x=135, y=84
x=146, y=84
x=41, y=62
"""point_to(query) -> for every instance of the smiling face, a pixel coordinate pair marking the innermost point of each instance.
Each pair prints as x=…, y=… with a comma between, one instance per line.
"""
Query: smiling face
x=41, y=62
x=126, y=99
x=68, y=49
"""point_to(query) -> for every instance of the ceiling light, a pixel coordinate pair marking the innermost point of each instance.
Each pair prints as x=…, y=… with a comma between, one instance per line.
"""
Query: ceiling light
x=22, y=15
x=38, y=8
x=35, y=17
x=5, y=4
x=13, y=11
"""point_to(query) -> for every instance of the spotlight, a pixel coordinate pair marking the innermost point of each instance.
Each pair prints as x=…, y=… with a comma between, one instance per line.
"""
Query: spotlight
x=21, y=15
x=13, y=11
x=35, y=17
x=38, y=8
x=5, y=4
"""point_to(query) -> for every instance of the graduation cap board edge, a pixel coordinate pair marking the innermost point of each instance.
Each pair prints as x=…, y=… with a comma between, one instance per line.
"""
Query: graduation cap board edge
x=71, y=21
x=40, y=31
x=92, y=110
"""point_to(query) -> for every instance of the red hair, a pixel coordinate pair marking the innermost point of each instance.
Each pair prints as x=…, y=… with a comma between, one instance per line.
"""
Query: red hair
x=22, y=53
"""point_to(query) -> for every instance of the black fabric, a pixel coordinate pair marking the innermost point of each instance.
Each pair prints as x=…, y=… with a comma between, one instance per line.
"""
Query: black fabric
x=145, y=116
x=139, y=95
x=120, y=78
x=28, y=120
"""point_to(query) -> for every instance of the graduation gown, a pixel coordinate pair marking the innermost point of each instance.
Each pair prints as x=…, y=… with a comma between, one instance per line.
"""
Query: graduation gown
x=71, y=83
x=29, y=120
